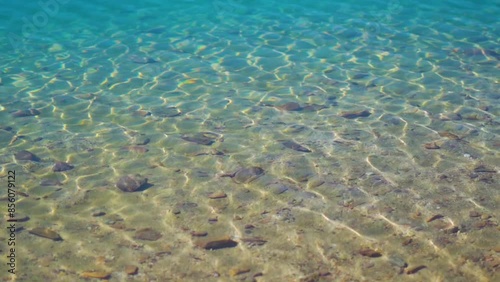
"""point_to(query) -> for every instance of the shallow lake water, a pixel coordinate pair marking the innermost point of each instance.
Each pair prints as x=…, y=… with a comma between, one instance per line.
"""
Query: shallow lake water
x=233, y=140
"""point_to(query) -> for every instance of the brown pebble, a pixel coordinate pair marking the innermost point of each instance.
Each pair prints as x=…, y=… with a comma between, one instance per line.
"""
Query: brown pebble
x=131, y=269
x=136, y=149
x=355, y=114
x=147, y=234
x=485, y=216
x=449, y=135
x=370, y=253
x=431, y=146
x=95, y=274
x=413, y=270
x=434, y=217
x=407, y=242
x=98, y=213
x=474, y=214
x=237, y=271
x=290, y=106
x=199, y=233
x=217, y=243
x=217, y=195
x=480, y=225
x=142, y=113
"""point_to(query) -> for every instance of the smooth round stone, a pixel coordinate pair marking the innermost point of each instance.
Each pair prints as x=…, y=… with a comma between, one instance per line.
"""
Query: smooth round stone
x=26, y=156
x=62, y=166
x=131, y=183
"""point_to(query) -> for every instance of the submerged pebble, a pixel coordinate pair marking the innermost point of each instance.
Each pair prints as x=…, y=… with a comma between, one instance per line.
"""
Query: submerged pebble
x=290, y=106
x=246, y=175
x=147, y=234
x=165, y=112
x=295, y=146
x=202, y=138
x=217, y=243
x=131, y=269
x=415, y=269
x=355, y=114
x=45, y=233
x=217, y=195
x=131, y=183
x=26, y=113
x=95, y=274
x=26, y=156
x=367, y=252
x=62, y=166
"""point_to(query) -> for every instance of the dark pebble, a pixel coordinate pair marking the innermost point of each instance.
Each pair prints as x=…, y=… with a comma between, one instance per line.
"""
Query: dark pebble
x=62, y=166
x=356, y=114
x=247, y=175
x=165, y=112
x=295, y=146
x=215, y=244
x=26, y=113
x=131, y=183
x=313, y=108
x=413, y=270
x=370, y=253
x=6, y=128
x=483, y=168
x=26, y=156
x=200, y=138
x=147, y=234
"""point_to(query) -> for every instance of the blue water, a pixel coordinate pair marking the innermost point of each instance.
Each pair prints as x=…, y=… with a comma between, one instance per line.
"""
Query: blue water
x=376, y=124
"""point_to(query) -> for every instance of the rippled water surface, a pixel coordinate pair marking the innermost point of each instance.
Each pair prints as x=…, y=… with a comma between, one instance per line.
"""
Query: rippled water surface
x=233, y=140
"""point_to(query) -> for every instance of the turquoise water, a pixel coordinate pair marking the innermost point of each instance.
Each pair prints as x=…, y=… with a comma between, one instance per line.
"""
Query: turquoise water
x=317, y=141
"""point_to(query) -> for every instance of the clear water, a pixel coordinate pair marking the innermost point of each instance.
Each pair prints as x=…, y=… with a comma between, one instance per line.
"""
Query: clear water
x=398, y=106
